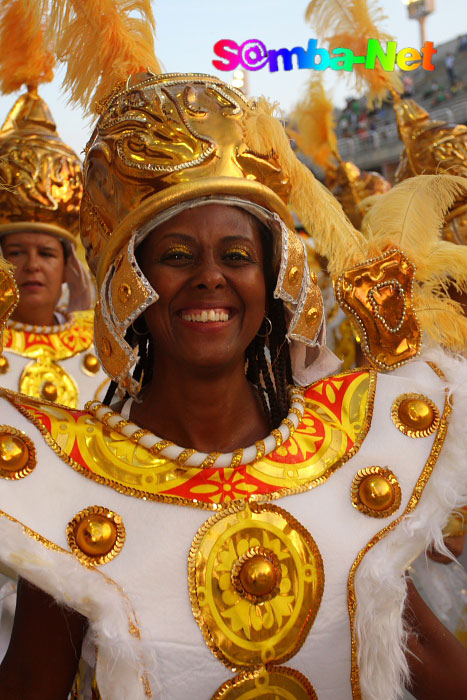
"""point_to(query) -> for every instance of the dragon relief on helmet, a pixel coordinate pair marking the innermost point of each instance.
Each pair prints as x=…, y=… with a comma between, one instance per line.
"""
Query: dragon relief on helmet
x=44, y=183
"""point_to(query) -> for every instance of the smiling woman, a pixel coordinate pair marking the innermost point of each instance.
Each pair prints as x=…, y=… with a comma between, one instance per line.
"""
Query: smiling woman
x=214, y=277
x=175, y=575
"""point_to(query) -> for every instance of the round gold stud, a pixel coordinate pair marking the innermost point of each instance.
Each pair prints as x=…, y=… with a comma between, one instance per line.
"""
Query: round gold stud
x=256, y=575
x=4, y=365
x=96, y=535
x=124, y=293
x=106, y=347
x=415, y=415
x=49, y=391
x=17, y=453
x=376, y=492
x=313, y=277
x=294, y=273
x=312, y=315
x=90, y=364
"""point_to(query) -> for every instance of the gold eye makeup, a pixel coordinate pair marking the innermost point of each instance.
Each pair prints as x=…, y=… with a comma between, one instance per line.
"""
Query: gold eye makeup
x=242, y=253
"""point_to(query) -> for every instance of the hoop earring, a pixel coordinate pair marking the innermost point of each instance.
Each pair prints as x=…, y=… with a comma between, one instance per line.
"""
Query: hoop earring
x=268, y=331
x=136, y=331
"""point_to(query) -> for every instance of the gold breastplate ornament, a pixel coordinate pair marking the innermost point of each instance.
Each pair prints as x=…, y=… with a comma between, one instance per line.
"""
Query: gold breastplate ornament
x=44, y=377
x=256, y=576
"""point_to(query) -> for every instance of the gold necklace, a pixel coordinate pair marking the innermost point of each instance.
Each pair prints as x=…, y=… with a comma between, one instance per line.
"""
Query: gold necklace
x=203, y=460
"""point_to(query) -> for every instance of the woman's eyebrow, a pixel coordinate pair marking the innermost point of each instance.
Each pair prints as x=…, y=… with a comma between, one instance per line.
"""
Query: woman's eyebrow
x=176, y=234
x=47, y=249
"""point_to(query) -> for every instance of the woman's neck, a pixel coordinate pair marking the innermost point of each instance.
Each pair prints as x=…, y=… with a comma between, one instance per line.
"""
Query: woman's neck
x=208, y=413
x=34, y=316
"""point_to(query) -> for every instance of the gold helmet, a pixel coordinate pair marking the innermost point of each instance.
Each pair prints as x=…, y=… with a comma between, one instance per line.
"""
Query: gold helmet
x=41, y=174
x=432, y=148
x=160, y=142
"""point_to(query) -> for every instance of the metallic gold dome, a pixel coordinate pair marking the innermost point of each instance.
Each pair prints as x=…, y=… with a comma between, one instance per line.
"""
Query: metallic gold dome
x=17, y=453
x=91, y=364
x=376, y=492
x=4, y=365
x=96, y=535
x=415, y=415
x=14, y=453
x=256, y=575
x=49, y=391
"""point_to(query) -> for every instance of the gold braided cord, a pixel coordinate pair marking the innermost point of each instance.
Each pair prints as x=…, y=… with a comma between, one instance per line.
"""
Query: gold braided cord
x=25, y=58
x=351, y=23
x=103, y=42
x=412, y=504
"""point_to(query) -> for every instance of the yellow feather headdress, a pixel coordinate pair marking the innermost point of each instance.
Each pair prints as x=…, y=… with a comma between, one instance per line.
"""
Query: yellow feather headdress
x=102, y=42
x=349, y=24
x=25, y=58
x=315, y=128
x=411, y=216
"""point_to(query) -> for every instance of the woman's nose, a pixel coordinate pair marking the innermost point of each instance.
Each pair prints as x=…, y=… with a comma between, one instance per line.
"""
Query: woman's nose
x=32, y=260
x=209, y=275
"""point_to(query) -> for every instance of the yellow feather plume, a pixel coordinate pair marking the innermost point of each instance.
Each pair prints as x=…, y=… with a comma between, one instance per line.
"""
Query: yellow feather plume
x=411, y=216
x=24, y=55
x=103, y=42
x=349, y=24
x=315, y=126
x=321, y=214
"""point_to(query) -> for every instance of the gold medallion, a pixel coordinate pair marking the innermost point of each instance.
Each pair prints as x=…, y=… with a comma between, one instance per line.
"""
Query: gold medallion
x=46, y=379
x=90, y=364
x=273, y=683
x=415, y=415
x=17, y=453
x=256, y=580
x=96, y=535
x=376, y=492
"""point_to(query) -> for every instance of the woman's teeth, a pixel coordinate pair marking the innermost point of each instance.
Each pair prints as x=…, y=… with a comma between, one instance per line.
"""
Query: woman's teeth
x=206, y=316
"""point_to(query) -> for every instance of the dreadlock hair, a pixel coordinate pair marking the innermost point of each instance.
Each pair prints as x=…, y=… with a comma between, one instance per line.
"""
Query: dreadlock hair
x=267, y=359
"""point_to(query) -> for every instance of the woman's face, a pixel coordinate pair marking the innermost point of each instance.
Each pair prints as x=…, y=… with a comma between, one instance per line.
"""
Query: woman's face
x=206, y=264
x=39, y=271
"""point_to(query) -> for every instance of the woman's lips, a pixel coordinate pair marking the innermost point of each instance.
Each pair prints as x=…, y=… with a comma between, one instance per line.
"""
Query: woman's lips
x=32, y=285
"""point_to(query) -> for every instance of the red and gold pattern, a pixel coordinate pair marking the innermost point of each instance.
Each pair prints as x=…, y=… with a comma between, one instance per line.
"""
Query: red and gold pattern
x=336, y=420
x=70, y=340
